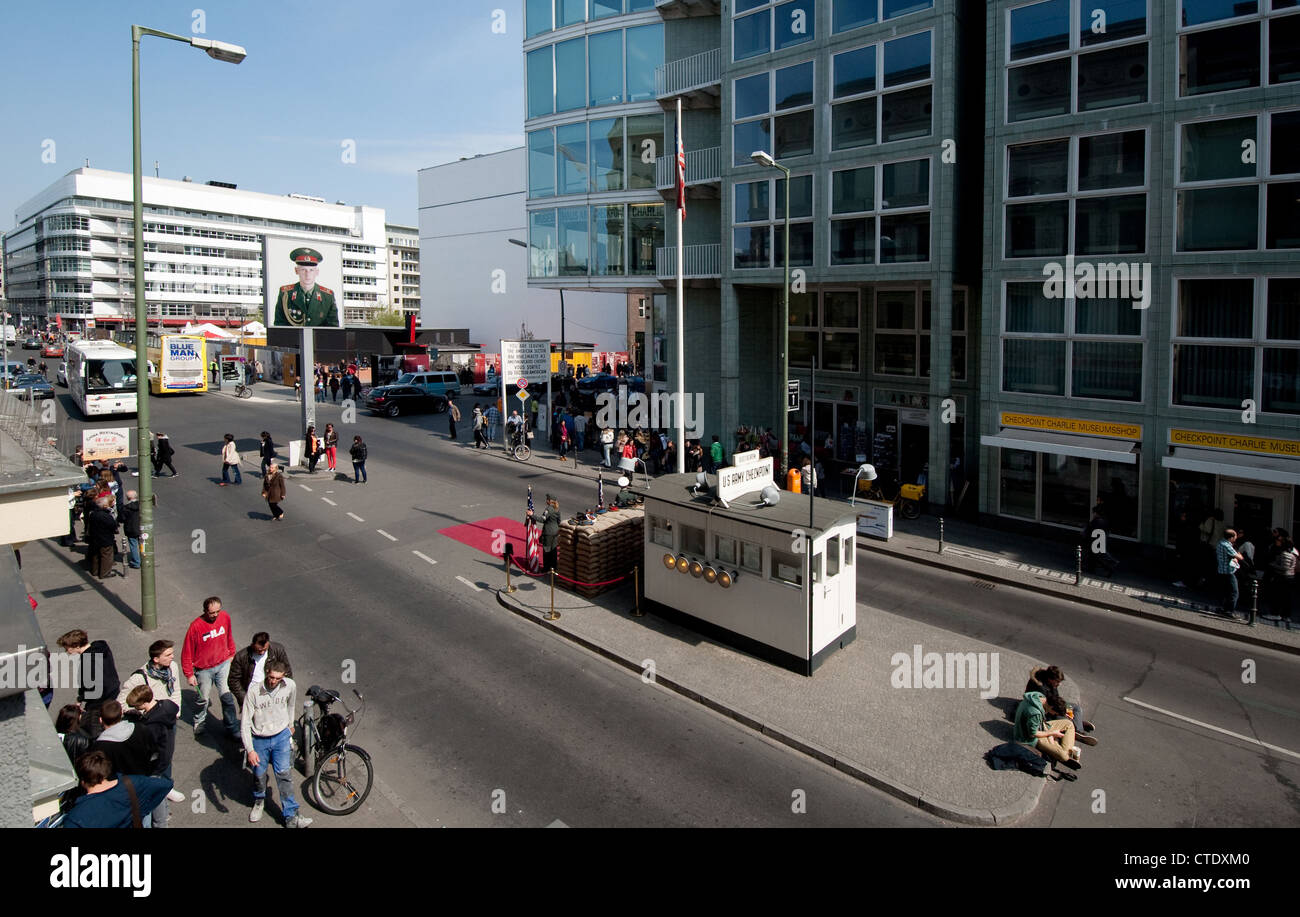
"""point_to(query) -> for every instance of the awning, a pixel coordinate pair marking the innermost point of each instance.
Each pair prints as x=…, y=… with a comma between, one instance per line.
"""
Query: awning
x=1274, y=469
x=1091, y=447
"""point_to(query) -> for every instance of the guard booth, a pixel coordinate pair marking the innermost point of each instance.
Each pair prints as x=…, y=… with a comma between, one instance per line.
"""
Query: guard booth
x=723, y=560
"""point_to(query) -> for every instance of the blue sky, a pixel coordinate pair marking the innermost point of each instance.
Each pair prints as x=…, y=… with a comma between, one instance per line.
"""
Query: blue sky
x=414, y=84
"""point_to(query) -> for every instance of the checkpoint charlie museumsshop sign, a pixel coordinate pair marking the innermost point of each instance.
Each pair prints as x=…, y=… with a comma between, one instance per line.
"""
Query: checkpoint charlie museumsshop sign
x=750, y=473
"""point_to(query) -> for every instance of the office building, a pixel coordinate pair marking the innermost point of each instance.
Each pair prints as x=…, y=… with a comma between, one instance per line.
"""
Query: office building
x=403, y=268
x=71, y=253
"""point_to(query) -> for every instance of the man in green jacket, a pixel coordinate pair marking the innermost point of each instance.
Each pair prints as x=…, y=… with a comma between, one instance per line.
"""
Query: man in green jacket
x=1054, y=739
x=715, y=454
x=550, y=532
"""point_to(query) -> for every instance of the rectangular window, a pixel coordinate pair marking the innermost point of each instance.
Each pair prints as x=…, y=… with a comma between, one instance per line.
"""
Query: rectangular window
x=1214, y=308
x=541, y=163
x=794, y=86
x=752, y=246
x=849, y=550
x=607, y=155
x=752, y=202
x=751, y=557
x=645, y=134
x=1103, y=369
x=1219, y=60
x=1018, y=484
x=854, y=72
x=1284, y=153
x=1199, y=12
x=573, y=236
x=543, y=252
x=1212, y=377
x=907, y=59
x=892, y=9
x=1112, y=161
x=538, y=14
x=852, y=14
x=1218, y=219
x=1283, y=229
x=751, y=35
x=1034, y=367
x=853, y=124
x=793, y=135
x=904, y=115
x=693, y=540
x=661, y=532
x=905, y=237
x=571, y=74
x=853, y=190
x=1038, y=168
x=571, y=157
x=906, y=184
x=1110, y=225
x=1037, y=230
x=645, y=53
x=1213, y=150
x=750, y=137
x=853, y=241
x=1038, y=90
x=787, y=568
x=1123, y=19
x=1029, y=311
x=605, y=67
x=794, y=23
x=602, y=8
x=1114, y=77
x=607, y=240
x=724, y=549
x=645, y=236
x=1040, y=28
x=1284, y=49
x=541, y=86
x=1066, y=489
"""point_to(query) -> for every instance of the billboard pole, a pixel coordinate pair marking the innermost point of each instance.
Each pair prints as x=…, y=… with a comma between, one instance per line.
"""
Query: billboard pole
x=308, y=351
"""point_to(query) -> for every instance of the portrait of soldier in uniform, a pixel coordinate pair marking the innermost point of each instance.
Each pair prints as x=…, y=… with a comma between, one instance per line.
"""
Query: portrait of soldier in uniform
x=306, y=303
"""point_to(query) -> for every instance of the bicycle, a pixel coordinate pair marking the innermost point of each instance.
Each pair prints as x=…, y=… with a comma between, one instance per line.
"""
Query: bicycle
x=907, y=499
x=519, y=447
x=243, y=391
x=342, y=773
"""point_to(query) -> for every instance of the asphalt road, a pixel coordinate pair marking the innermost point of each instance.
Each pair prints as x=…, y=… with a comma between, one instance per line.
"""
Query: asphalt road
x=1153, y=768
x=467, y=705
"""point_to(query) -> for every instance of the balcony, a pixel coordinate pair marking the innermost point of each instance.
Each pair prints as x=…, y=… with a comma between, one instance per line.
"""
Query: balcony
x=703, y=263
x=696, y=79
x=682, y=9
x=703, y=172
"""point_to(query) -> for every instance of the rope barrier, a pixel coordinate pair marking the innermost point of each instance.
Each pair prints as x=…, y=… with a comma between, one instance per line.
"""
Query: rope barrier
x=565, y=578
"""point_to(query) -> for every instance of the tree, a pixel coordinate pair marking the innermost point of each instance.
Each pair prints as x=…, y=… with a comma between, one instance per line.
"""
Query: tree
x=388, y=317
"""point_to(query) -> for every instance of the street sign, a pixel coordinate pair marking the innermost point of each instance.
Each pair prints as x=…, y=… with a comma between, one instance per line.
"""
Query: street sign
x=792, y=395
x=522, y=383
x=522, y=394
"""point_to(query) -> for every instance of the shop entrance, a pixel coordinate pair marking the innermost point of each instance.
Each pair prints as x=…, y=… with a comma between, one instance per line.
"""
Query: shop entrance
x=1254, y=507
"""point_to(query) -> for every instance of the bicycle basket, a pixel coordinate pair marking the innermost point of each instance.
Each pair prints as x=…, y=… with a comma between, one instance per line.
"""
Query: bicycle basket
x=331, y=730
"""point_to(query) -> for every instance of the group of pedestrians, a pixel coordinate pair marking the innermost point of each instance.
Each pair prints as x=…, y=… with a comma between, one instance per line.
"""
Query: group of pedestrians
x=316, y=446
x=1229, y=561
x=121, y=736
x=105, y=506
x=326, y=445
x=331, y=381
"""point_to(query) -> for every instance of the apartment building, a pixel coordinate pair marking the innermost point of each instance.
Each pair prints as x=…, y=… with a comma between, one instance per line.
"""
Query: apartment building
x=403, y=268
x=71, y=253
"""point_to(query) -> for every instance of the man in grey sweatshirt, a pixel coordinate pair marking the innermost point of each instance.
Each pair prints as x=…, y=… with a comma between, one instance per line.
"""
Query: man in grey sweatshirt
x=267, y=725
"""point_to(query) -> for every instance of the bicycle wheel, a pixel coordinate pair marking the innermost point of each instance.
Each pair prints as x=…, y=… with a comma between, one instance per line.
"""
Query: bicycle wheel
x=343, y=780
x=523, y=453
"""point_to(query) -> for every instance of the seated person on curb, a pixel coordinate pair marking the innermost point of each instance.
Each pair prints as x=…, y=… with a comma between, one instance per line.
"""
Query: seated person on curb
x=1054, y=739
x=1046, y=680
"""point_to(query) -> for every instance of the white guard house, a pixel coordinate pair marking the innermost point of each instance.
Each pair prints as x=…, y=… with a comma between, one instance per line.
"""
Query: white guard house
x=752, y=573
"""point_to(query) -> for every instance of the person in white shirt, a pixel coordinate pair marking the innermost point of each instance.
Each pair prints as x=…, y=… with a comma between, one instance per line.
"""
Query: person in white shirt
x=267, y=725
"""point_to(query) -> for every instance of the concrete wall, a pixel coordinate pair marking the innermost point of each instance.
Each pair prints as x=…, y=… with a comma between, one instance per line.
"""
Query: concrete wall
x=15, y=766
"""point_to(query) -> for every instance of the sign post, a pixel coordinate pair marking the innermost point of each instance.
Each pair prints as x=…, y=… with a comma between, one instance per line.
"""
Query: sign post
x=521, y=361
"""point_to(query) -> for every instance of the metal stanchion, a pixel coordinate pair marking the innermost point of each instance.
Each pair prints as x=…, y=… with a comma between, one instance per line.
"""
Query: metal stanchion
x=1254, y=600
x=941, y=534
x=552, y=615
x=509, y=554
x=636, y=594
x=1078, y=565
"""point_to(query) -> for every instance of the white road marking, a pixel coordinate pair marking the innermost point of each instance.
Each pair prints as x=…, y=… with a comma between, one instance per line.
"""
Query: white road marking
x=356, y=517
x=473, y=586
x=424, y=557
x=329, y=501
x=1226, y=732
x=305, y=487
x=557, y=824
x=385, y=534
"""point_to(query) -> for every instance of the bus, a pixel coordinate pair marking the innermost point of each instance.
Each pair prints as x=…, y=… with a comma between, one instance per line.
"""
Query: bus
x=101, y=377
x=177, y=363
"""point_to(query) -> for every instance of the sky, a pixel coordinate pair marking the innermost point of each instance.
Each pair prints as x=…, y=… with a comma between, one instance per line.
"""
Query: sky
x=414, y=83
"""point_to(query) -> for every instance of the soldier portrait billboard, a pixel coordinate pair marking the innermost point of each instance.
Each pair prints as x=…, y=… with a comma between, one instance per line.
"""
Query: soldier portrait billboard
x=304, y=283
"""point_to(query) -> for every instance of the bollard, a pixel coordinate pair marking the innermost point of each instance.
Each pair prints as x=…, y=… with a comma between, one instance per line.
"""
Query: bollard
x=941, y=534
x=552, y=615
x=636, y=593
x=509, y=553
x=1078, y=565
x=1254, y=600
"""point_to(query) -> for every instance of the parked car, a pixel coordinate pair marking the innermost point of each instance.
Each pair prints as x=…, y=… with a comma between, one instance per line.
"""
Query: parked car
x=52, y=350
x=32, y=385
x=61, y=375
x=395, y=400
x=432, y=381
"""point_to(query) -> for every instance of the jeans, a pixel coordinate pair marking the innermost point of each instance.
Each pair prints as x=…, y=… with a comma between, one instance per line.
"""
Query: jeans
x=133, y=549
x=582, y=436
x=358, y=472
x=1230, y=592
x=608, y=447
x=226, y=468
x=217, y=674
x=275, y=752
x=492, y=433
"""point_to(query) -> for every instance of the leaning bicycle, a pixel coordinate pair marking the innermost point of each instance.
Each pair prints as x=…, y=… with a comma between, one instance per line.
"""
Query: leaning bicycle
x=907, y=499
x=342, y=773
x=243, y=391
x=519, y=447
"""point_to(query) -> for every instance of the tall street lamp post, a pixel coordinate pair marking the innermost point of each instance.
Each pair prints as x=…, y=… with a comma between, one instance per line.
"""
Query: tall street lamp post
x=765, y=159
x=231, y=54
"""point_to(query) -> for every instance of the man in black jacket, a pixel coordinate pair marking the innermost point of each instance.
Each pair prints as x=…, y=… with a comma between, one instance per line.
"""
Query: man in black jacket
x=162, y=454
x=157, y=719
x=97, y=679
x=101, y=531
x=249, y=664
x=130, y=518
x=267, y=450
x=131, y=749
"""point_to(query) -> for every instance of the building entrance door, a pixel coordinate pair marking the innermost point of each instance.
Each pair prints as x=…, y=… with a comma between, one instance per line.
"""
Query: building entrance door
x=914, y=445
x=1253, y=507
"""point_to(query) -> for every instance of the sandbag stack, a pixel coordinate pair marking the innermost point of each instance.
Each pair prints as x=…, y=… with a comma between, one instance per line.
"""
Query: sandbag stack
x=606, y=550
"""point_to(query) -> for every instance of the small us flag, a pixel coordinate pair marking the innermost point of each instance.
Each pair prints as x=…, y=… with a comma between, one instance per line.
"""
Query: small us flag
x=533, y=542
x=600, y=491
x=681, y=171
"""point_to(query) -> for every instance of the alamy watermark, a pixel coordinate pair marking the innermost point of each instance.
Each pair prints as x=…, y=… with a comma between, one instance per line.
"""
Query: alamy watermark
x=1098, y=280
x=946, y=670
x=656, y=410
x=23, y=670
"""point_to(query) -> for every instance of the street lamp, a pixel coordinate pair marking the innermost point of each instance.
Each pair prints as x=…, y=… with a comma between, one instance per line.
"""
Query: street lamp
x=217, y=50
x=523, y=244
x=765, y=159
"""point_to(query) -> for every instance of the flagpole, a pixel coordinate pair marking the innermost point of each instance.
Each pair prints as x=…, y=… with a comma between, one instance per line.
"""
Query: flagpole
x=681, y=296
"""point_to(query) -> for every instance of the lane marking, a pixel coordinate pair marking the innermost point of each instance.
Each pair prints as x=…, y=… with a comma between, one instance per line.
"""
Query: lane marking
x=1212, y=728
x=305, y=487
x=356, y=517
x=385, y=534
x=424, y=557
x=474, y=586
x=329, y=501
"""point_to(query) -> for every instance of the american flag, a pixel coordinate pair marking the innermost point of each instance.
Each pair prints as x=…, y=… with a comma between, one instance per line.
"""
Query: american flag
x=681, y=170
x=600, y=490
x=533, y=541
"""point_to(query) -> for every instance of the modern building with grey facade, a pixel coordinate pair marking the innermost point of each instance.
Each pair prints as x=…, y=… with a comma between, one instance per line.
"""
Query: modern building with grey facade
x=1162, y=140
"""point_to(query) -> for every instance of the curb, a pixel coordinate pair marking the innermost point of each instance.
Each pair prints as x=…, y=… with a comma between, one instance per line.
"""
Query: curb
x=1084, y=599
x=1000, y=816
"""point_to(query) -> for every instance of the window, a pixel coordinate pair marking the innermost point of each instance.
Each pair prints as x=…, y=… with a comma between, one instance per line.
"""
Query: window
x=849, y=550
x=861, y=114
x=1219, y=196
x=759, y=27
x=693, y=540
x=541, y=163
x=758, y=235
x=1077, y=346
x=1065, y=70
x=832, y=557
x=774, y=113
x=570, y=12
x=852, y=14
x=826, y=326
x=787, y=568
x=572, y=236
x=610, y=161
x=538, y=15
x=751, y=557
x=605, y=67
x=645, y=236
x=645, y=135
x=899, y=206
x=541, y=86
x=1220, y=42
x=1237, y=338
x=571, y=74
x=1061, y=490
x=571, y=157
x=607, y=240
x=645, y=52
x=724, y=549
x=1071, y=209
x=607, y=154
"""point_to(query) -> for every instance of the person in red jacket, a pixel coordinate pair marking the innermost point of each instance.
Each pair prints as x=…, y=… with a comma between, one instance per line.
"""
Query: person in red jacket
x=205, y=659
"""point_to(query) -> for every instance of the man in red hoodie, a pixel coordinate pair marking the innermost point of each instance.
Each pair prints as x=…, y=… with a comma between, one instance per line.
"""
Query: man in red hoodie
x=205, y=659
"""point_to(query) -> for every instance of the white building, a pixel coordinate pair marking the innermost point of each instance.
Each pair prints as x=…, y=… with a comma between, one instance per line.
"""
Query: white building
x=71, y=252
x=471, y=274
x=403, y=268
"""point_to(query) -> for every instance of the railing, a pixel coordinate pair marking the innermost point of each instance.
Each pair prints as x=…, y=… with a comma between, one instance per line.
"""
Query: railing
x=700, y=261
x=689, y=73
x=701, y=166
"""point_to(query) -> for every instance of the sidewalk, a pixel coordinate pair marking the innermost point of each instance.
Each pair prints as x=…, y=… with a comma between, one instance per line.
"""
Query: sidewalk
x=922, y=746
x=1035, y=564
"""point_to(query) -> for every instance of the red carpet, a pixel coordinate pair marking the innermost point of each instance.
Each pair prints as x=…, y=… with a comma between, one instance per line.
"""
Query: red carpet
x=479, y=535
